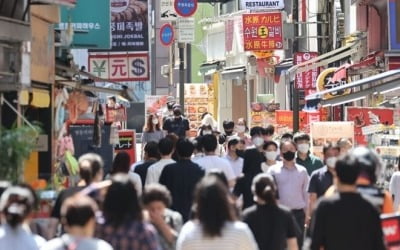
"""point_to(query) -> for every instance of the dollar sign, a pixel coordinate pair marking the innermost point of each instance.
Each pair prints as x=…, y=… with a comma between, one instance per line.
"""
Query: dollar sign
x=138, y=67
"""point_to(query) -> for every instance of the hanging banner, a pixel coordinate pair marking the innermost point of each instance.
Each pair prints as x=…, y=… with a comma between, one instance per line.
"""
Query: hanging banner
x=120, y=67
x=320, y=136
x=167, y=10
x=306, y=80
x=262, y=4
x=365, y=117
x=155, y=104
x=229, y=27
x=262, y=31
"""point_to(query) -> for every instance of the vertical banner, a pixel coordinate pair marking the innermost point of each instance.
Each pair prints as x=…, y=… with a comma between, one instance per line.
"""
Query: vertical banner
x=306, y=80
x=363, y=117
x=127, y=143
x=320, y=136
x=262, y=31
x=229, y=27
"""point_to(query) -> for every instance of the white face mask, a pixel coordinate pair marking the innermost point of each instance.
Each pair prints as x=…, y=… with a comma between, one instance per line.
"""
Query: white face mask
x=207, y=132
x=331, y=162
x=258, y=141
x=155, y=121
x=303, y=148
x=271, y=155
x=240, y=129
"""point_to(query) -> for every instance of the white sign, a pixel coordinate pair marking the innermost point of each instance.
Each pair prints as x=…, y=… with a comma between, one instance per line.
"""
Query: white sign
x=167, y=10
x=262, y=4
x=186, y=29
x=42, y=144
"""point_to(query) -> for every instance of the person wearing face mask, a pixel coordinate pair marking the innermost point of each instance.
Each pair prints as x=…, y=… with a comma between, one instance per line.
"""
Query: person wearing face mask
x=177, y=124
x=206, y=130
x=321, y=179
x=242, y=131
x=252, y=159
x=304, y=156
x=152, y=130
x=234, y=160
x=271, y=154
x=292, y=182
x=228, y=126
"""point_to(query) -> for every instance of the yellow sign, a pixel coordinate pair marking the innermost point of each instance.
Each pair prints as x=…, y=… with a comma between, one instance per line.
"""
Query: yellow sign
x=263, y=54
x=263, y=31
x=325, y=82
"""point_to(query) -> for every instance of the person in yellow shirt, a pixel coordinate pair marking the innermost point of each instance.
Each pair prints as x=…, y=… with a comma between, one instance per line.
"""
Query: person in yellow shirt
x=370, y=169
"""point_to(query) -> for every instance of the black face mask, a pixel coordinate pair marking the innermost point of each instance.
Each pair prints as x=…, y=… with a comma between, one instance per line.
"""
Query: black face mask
x=240, y=153
x=228, y=133
x=289, y=155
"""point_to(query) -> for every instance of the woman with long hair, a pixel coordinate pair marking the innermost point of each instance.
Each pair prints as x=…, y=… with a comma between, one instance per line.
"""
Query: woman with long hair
x=121, y=164
x=123, y=225
x=215, y=225
x=152, y=130
x=273, y=226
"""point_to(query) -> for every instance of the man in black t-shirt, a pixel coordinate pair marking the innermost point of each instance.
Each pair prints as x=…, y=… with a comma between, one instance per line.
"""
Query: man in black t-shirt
x=346, y=221
x=177, y=124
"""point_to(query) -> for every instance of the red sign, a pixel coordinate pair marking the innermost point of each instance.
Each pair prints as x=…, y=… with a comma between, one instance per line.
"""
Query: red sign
x=285, y=118
x=367, y=116
x=120, y=67
x=391, y=230
x=262, y=31
x=116, y=114
x=308, y=79
x=127, y=143
x=394, y=63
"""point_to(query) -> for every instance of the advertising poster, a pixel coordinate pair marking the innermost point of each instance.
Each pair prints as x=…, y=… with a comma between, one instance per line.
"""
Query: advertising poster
x=390, y=159
x=262, y=31
x=284, y=120
x=363, y=117
x=155, y=104
x=320, y=135
x=199, y=98
x=127, y=143
x=263, y=114
x=306, y=80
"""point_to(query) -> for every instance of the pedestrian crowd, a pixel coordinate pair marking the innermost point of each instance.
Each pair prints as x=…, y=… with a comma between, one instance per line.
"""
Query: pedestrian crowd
x=239, y=189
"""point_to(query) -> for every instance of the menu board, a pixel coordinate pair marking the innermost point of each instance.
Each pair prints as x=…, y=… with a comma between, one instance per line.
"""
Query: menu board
x=320, y=136
x=198, y=100
x=263, y=114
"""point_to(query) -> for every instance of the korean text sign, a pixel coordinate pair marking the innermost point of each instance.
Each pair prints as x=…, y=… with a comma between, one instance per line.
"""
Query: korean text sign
x=308, y=79
x=92, y=23
x=262, y=31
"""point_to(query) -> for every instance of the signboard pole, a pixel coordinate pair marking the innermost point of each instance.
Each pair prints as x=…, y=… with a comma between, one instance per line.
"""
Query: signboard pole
x=295, y=98
x=181, y=47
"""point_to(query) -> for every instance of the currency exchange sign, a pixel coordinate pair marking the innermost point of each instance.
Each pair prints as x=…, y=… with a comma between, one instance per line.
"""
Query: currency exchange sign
x=262, y=31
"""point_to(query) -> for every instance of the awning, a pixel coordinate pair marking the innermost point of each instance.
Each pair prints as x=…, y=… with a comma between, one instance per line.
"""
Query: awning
x=390, y=81
x=209, y=68
x=325, y=59
x=234, y=73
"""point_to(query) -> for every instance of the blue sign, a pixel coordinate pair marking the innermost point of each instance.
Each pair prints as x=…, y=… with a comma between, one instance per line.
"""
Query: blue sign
x=185, y=8
x=166, y=34
x=394, y=25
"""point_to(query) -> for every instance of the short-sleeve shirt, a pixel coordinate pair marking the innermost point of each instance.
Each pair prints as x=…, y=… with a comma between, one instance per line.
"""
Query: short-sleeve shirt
x=271, y=225
x=210, y=162
x=176, y=126
x=311, y=163
x=321, y=180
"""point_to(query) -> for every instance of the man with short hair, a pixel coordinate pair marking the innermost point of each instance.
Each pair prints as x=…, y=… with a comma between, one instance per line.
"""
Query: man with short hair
x=151, y=156
x=234, y=160
x=166, y=149
x=292, y=182
x=321, y=179
x=211, y=161
x=228, y=126
x=346, y=221
x=304, y=156
x=181, y=178
x=177, y=124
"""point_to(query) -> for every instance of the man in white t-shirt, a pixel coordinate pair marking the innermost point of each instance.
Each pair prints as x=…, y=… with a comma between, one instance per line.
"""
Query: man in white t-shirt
x=212, y=161
x=166, y=148
x=234, y=160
